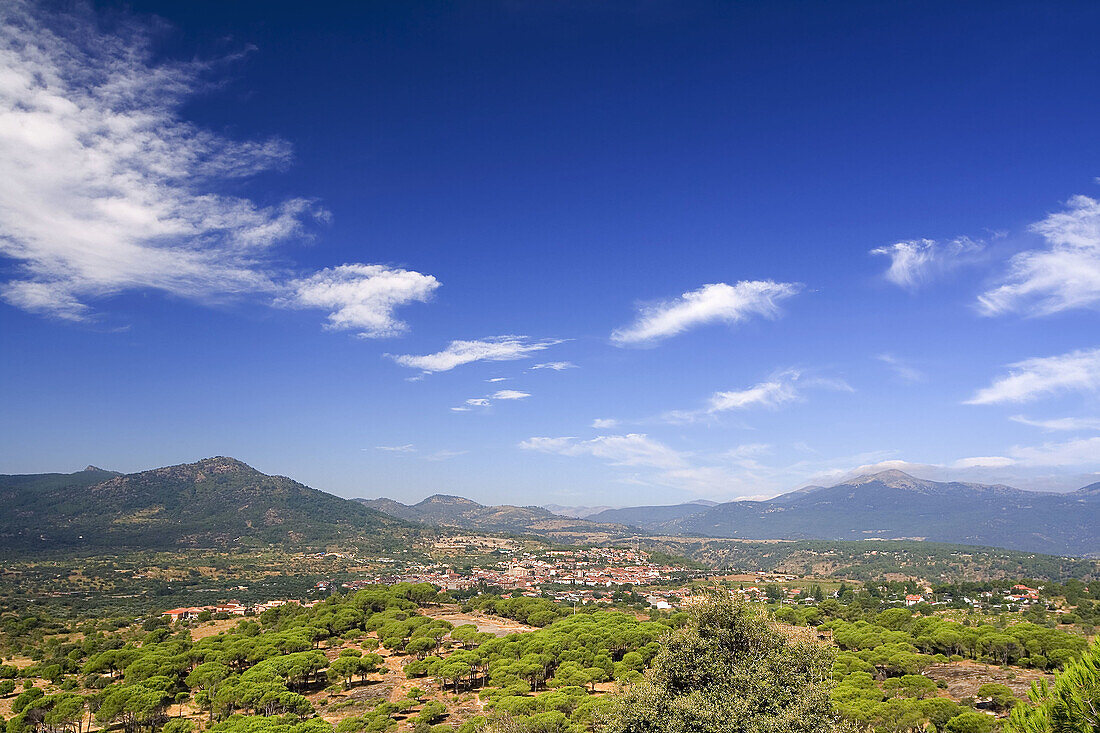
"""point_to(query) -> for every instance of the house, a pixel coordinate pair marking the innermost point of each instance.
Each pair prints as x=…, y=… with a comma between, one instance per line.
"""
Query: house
x=912, y=600
x=175, y=614
x=659, y=603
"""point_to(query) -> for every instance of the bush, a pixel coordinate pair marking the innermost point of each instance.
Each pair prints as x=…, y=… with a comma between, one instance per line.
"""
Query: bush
x=970, y=722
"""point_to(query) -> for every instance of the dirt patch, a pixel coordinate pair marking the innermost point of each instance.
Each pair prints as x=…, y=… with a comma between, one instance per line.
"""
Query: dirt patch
x=212, y=628
x=964, y=678
x=495, y=625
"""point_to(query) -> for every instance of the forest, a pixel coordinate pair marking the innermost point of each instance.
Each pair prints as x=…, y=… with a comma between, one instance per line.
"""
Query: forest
x=384, y=658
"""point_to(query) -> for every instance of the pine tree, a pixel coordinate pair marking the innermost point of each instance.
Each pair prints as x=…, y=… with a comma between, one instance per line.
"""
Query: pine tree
x=730, y=671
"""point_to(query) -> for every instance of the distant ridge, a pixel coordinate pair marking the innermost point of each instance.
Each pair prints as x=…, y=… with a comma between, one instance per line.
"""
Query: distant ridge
x=442, y=510
x=895, y=505
x=221, y=501
x=213, y=502
x=576, y=512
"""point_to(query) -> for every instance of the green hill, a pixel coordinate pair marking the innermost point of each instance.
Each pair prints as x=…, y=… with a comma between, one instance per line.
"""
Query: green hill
x=215, y=502
x=441, y=510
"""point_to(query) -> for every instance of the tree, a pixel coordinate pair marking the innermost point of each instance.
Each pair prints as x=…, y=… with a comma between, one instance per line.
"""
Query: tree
x=1070, y=705
x=999, y=695
x=970, y=722
x=433, y=712
x=729, y=671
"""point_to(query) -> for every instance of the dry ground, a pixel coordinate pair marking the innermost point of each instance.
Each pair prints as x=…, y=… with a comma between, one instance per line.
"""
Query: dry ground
x=964, y=678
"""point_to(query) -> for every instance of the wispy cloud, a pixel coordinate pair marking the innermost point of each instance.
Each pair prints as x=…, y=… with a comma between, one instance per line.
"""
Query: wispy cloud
x=108, y=189
x=984, y=462
x=1060, y=424
x=1083, y=452
x=480, y=402
x=457, y=353
x=902, y=370
x=407, y=448
x=1077, y=371
x=362, y=298
x=510, y=394
x=915, y=262
x=470, y=404
x=557, y=366
x=105, y=189
x=780, y=389
x=717, y=302
x=765, y=394
x=497, y=379
x=443, y=455
x=604, y=423
x=1064, y=276
x=633, y=449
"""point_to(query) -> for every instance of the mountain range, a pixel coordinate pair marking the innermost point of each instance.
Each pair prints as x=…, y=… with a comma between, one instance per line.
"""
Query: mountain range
x=894, y=505
x=884, y=505
x=221, y=501
x=213, y=502
x=442, y=510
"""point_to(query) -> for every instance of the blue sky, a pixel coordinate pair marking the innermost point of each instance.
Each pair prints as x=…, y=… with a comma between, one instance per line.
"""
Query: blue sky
x=704, y=249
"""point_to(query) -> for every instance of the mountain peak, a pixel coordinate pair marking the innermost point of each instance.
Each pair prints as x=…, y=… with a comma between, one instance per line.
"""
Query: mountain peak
x=891, y=477
x=220, y=464
x=448, y=500
x=90, y=467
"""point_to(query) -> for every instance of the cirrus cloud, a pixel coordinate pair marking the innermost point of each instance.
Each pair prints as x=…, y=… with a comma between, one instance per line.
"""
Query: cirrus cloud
x=915, y=262
x=1077, y=371
x=457, y=353
x=633, y=449
x=107, y=189
x=1060, y=423
x=716, y=302
x=510, y=394
x=1064, y=276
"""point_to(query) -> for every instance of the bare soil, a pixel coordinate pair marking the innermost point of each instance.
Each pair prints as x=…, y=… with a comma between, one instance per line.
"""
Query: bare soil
x=964, y=678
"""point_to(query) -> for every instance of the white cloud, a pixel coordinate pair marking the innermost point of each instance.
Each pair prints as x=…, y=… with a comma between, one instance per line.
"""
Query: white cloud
x=903, y=371
x=510, y=394
x=106, y=189
x=443, y=455
x=984, y=462
x=708, y=304
x=765, y=394
x=457, y=353
x=916, y=261
x=407, y=448
x=604, y=423
x=780, y=389
x=748, y=450
x=472, y=403
x=1083, y=452
x=659, y=464
x=362, y=298
x=633, y=449
x=1061, y=423
x=557, y=366
x=1077, y=371
x=1064, y=276
x=497, y=379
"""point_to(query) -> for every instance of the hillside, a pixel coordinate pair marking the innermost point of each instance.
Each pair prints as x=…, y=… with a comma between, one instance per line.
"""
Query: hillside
x=213, y=502
x=442, y=510
x=895, y=505
x=651, y=517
